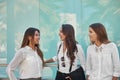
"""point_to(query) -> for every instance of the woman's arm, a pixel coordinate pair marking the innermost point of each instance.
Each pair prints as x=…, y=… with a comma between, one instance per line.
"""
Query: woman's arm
x=81, y=56
x=88, y=63
x=18, y=58
x=115, y=78
x=87, y=77
x=116, y=62
x=53, y=59
x=49, y=60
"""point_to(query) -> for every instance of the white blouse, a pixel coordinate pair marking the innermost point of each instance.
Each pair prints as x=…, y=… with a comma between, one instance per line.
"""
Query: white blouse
x=28, y=62
x=102, y=62
x=78, y=56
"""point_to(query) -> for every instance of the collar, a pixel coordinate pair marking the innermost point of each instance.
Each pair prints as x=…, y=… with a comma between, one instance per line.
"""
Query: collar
x=99, y=48
x=29, y=48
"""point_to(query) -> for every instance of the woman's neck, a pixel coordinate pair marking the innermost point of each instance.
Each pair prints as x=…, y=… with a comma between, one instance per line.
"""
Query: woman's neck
x=32, y=46
x=64, y=46
x=98, y=43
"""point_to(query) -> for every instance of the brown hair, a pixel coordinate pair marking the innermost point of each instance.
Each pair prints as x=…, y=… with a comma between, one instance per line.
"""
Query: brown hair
x=30, y=32
x=101, y=32
x=70, y=41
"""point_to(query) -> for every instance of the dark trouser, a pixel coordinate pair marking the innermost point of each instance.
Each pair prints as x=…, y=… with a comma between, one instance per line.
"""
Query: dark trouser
x=32, y=79
x=78, y=74
x=61, y=76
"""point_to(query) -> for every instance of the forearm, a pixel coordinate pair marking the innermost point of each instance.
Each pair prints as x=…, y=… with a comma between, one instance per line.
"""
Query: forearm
x=87, y=77
x=11, y=74
x=49, y=61
x=115, y=78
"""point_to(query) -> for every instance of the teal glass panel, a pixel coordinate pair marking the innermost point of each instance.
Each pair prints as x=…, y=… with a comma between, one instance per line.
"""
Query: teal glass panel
x=3, y=37
x=3, y=32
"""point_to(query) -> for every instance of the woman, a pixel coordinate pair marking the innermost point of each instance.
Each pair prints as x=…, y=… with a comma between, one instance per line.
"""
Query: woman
x=102, y=56
x=69, y=52
x=29, y=59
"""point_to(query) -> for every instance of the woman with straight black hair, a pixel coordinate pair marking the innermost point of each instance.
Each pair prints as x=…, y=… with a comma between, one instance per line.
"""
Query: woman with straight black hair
x=68, y=56
x=29, y=58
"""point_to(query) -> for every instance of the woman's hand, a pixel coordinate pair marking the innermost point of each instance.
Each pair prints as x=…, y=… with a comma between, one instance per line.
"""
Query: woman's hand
x=115, y=78
x=49, y=61
x=87, y=77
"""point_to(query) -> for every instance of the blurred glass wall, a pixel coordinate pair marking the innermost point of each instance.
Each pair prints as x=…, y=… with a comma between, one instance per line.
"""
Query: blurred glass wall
x=48, y=15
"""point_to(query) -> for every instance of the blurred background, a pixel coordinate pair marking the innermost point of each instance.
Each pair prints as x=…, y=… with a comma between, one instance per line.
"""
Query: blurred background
x=48, y=15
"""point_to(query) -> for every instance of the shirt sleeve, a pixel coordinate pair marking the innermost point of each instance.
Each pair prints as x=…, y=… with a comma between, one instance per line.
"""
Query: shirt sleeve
x=81, y=56
x=116, y=61
x=18, y=58
x=54, y=58
x=88, y=62
x=58, y=49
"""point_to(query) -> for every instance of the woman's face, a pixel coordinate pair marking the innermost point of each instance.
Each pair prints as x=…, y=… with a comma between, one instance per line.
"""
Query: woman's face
x=92, y=35
x=36, y=37
x=62, y=36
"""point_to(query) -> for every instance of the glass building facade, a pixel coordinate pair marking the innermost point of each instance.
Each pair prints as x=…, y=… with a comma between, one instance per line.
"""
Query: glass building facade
x=48, y=15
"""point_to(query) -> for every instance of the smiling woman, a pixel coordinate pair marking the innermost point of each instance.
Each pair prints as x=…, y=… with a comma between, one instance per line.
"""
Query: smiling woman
x=68, y=56
x=29, y=58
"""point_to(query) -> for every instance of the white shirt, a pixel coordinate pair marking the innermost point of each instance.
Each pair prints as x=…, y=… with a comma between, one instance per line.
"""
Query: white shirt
x=78, y=56
x=28, y=62
x=102, y=62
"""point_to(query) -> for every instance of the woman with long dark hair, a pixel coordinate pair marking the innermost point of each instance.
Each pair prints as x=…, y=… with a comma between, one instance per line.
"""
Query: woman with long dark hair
x=103, y=61
x=69, y=53
x=29, y=58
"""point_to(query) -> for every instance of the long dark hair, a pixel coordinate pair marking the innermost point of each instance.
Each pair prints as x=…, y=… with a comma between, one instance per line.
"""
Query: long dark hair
x=101, y=32
x=31, y=32
x=70, y=41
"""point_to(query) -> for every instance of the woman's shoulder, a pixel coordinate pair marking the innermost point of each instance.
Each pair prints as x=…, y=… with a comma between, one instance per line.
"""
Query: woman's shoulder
x=111, y=44
x=78, y=45
x=90, y=46
x=21, y=51
x=59, y=44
